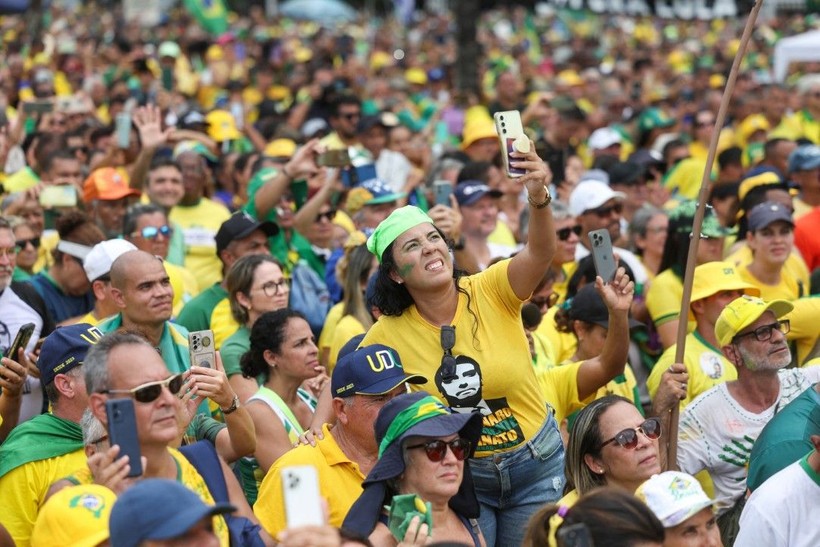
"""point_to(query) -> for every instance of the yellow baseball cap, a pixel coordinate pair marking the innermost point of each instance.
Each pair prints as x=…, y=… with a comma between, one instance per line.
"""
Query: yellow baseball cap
x=222, y=126
x=744, y=311
x=714, y=277
x=280, y=148
x=76, y=516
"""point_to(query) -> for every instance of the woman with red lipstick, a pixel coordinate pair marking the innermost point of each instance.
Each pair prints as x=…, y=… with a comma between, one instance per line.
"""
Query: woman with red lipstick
x=465, y=333
x=611, y=444
x=284, y=353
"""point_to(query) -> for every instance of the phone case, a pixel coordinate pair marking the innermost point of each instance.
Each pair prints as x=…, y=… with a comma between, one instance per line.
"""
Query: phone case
x=512, y=137
x=58, y=195
x=20, y=341
x=300, y=490
x=443, y=190
x=602, y=256
x=122, y=431
x=201, y=348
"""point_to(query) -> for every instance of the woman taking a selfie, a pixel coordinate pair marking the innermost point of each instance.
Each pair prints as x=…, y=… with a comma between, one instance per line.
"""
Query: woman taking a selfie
x=474, y=324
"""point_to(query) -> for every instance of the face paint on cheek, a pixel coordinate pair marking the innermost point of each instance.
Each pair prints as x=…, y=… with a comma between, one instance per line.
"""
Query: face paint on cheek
x=405, y=270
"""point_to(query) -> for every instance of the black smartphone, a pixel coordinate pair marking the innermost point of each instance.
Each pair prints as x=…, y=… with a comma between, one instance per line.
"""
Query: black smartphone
x=122, y=431
x=602, y=256
x=38, y=107
x=20, y=341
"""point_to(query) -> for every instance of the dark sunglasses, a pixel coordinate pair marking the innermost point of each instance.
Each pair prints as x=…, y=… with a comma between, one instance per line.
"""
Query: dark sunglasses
x=436, y=450
x=764, y=333
x=628, y=438
x=548, y=301
x=34, y=242
x=602, y=212
x=152, y=232
x=150, y=392
x=351, y=116
x=563, y=233
x=329, y=216
x=448, y=362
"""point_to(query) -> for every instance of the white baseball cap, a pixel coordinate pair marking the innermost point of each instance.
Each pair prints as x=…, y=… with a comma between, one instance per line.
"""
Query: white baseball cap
x=98, y=262
x=674, y=497
x=602, y=138
x=591, y=194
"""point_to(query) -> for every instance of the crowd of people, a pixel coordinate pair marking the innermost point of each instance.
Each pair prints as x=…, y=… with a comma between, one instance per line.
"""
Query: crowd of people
x=411, y=345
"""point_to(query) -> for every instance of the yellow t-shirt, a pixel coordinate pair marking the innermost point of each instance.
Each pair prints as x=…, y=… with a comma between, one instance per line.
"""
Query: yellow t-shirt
x=184, y=284
x=502, y=235
x=664, y=297
x=560, y=287
x=340, y=483
x=560, y=388
x=794, y=266
x=788, y=288
x=705, y=364
x=508, y=394
x=22, y=491
x=803, y=321
x=798, y=125
x=199, y=224
x=563, y=344
x=222, y=322
x=347, y=327
x=331, y=320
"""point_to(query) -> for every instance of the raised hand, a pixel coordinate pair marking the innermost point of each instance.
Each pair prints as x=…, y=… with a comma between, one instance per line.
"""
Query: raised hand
x=148, y=120
x=617, y=294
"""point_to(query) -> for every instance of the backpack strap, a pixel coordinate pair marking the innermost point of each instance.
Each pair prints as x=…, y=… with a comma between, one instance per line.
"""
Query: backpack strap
x=203, y=456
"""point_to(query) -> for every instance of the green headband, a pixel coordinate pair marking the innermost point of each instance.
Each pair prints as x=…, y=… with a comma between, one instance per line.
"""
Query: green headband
x=421, y=410
x=399, y=221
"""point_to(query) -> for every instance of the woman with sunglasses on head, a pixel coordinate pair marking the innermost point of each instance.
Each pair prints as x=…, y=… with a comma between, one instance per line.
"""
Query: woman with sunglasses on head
x=611, y=444
x=255, y=285
x=467, y=330
x=284, y=355
x=423, y=447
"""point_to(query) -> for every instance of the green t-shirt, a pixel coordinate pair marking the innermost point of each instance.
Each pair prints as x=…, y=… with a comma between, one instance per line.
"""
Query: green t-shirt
x=196, y=314
x=786, y=438
x=233, y=348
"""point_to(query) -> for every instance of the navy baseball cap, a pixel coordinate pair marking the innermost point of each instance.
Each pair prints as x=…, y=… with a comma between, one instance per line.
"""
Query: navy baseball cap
x=381, y=192
x=766, y=213
x=157, y=509
x=64, y=349
x=370, y=370
x=469, y=192
x=239, y=226
x=588, y=306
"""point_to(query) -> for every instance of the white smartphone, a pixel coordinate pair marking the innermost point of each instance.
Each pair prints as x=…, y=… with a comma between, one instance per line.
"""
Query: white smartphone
x=122, y=129
x=201, y=348
x=302, y=500
x=602, y=256
x=512, y=137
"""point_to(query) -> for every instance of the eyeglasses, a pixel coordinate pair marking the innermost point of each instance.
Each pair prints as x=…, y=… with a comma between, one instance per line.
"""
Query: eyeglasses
x=436, y=450
x=602, y=212
x=351, y=115
x=274, y=288
x=23, y=243
x=152, y=232
x=563, y=233
x=448, y=362
x=628, y=438
x=9, y=252
x=546, y=301
x=150, y=392
x=329, y=216
x=764, y=333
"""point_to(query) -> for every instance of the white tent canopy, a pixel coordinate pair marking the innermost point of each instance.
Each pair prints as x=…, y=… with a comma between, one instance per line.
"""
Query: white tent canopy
x=802, y=47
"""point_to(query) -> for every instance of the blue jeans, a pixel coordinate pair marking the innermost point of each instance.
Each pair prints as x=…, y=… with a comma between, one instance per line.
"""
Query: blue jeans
x=511, y=486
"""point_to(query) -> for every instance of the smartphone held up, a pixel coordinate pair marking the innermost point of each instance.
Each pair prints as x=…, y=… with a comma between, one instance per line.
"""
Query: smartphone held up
x=513, y=139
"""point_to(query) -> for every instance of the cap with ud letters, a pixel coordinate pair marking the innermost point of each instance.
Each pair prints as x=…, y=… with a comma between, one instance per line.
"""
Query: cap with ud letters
x=370, y=370
x=744, y=311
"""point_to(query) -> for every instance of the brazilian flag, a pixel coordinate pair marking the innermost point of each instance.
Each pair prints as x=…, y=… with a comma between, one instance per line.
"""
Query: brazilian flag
x=210, y=14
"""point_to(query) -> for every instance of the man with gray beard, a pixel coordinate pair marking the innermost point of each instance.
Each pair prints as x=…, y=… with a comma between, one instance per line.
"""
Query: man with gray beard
x=718, y=429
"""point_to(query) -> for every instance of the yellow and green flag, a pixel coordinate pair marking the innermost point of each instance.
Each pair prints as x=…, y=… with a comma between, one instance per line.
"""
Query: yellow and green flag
x=210, y=14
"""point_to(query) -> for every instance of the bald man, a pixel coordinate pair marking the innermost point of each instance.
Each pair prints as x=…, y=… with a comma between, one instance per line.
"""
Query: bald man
x=142, y=291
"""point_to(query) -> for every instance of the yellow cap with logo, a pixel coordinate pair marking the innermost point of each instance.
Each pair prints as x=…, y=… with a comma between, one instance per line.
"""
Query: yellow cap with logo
x=744, y=311
x=76, y=516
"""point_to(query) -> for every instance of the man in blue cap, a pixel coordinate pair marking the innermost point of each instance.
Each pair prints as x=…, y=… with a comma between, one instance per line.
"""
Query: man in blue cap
x=135, y=519
x=49, y=446
x=362, y=382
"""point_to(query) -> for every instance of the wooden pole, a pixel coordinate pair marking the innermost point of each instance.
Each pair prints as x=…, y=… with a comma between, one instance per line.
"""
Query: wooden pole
x=705, y=188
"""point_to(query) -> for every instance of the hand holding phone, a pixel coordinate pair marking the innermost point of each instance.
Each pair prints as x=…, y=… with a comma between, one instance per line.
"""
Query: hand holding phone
x=20, y=341
x=512, y=137
x=122, y=431
x=443, y=189
x=605, y=265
